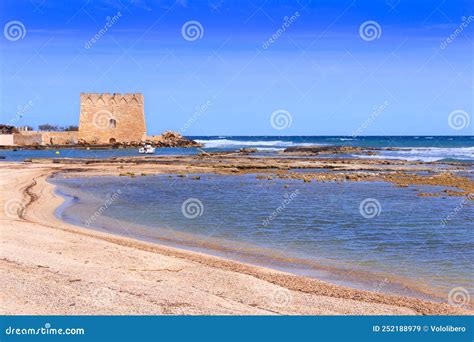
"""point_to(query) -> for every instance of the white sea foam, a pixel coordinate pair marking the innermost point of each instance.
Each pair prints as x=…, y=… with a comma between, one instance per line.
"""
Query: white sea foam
x=222, y=143
x=381, y=156
x=428, y=154
x=270, y=149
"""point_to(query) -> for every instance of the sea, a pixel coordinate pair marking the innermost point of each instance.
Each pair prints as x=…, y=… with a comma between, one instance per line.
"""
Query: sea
x=414, y=148
x=368, y=235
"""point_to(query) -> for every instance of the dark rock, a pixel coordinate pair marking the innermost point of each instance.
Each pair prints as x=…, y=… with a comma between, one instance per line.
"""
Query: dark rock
x=315, y=150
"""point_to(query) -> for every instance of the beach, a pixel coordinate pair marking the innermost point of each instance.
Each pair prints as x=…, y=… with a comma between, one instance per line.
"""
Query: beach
x=52, y=267
x=222, y=170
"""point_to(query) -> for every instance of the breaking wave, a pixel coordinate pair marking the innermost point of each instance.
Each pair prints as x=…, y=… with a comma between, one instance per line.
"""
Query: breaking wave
x=428, y=154
x=227, y=143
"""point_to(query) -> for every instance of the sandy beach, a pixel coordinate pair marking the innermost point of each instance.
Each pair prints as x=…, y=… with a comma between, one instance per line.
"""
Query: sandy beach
x=51, y=267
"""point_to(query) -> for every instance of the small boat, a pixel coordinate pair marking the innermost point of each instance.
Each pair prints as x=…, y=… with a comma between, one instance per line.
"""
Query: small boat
x=147, y=149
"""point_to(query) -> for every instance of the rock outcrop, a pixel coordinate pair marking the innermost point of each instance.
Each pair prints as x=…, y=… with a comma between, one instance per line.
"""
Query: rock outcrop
x=172, y=139
x=315, y=150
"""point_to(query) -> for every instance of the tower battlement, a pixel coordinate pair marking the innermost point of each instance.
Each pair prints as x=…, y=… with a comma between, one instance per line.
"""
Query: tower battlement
x=109, y=98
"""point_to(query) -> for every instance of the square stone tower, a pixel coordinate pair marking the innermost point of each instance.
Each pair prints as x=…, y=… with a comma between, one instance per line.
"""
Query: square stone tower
x=109, y=118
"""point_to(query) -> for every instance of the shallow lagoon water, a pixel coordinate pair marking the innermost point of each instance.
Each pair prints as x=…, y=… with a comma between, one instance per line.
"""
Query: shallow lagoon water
x=314, y=229
x=20, y=154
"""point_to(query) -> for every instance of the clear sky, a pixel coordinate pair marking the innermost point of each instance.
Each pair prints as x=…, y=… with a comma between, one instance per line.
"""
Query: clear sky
x=333, y=77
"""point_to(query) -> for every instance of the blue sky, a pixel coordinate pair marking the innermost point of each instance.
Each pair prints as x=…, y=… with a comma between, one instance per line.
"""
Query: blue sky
x=328, y=76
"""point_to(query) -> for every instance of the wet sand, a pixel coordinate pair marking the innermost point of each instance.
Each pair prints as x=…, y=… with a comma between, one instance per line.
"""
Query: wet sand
x=51, y=267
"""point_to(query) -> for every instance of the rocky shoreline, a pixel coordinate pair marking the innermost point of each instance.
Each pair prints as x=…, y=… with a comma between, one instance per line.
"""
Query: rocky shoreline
x=398, y=172
x=167, y=139
x=317, y=150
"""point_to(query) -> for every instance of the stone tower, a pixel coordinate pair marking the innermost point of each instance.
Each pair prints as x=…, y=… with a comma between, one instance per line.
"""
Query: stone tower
x=109, y=118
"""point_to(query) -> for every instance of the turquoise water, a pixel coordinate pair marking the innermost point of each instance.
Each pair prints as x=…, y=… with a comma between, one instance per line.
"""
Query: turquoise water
x=20, y=155
x=315, y=229
x=422, y=148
